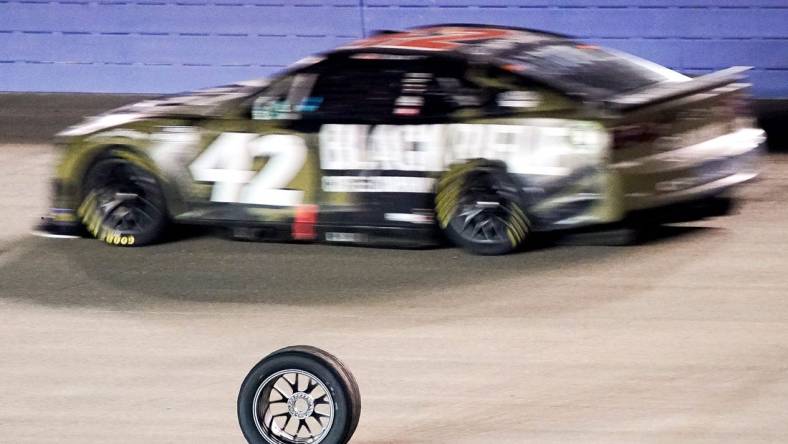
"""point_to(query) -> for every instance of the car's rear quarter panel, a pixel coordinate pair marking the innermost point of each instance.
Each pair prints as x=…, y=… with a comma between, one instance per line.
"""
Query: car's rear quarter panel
x=684, y=149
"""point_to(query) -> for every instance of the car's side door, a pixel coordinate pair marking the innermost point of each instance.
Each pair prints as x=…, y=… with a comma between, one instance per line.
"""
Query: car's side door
x=353, y=97
x=263, y=164
x=256, y=164
x=382, y=140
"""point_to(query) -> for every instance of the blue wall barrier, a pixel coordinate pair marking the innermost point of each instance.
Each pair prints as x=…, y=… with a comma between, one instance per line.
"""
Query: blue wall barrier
x=175, y=45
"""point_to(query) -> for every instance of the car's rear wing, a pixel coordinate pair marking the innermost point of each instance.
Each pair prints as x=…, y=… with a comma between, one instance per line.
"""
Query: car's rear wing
x=664, y=92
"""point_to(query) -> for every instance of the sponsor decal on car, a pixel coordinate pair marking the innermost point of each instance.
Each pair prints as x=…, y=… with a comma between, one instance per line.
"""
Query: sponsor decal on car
x=528, y=146
x=548, y=147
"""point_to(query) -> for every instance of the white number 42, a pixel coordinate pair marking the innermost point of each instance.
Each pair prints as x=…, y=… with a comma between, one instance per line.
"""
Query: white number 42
x=229, y=160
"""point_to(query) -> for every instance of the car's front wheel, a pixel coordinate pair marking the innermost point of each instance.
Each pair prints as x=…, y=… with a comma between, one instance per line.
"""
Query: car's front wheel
x=479, y=209
x=122, y=204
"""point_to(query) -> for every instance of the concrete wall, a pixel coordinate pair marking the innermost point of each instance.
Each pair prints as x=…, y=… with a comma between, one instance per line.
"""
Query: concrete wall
x=173, y=45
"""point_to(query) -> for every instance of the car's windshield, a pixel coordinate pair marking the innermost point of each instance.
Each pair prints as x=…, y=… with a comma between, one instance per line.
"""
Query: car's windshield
x=592, y=71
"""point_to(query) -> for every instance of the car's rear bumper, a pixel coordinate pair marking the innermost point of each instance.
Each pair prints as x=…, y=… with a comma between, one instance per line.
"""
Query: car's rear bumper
x=677, y=185
x=691, y=173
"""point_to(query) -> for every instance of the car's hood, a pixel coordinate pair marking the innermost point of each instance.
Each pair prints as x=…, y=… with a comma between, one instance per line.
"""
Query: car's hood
x=202, y=103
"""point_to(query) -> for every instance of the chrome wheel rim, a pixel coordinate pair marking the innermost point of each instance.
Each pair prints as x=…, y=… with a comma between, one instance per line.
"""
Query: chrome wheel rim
x=293, y=407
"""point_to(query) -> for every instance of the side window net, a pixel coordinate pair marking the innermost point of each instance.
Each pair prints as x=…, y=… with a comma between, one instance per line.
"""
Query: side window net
x=360, y=94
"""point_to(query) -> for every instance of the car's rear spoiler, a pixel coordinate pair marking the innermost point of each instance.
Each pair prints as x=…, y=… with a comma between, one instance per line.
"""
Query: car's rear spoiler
x=668, y=91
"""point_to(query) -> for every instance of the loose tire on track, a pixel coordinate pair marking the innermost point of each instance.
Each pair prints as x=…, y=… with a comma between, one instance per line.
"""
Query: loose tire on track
x=479, y=209
x=122, y=204
x=299, y=395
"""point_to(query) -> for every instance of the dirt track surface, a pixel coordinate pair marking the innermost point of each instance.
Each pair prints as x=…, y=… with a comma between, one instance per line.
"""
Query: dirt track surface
x=682, y=339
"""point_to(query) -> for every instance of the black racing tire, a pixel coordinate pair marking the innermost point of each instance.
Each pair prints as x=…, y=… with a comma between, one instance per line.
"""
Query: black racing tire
x=325, y=388
x=479, y=208
x=122, y=204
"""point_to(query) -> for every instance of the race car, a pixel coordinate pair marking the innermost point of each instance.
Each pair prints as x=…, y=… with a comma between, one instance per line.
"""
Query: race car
x=482, y=135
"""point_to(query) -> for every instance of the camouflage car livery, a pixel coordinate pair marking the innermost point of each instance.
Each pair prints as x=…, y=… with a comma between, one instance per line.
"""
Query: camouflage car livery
x=485, y=133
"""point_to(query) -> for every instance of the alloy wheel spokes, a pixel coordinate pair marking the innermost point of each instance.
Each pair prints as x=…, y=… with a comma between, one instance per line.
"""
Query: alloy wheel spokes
x=127, y=210
x=285, y=413
x=488, y=224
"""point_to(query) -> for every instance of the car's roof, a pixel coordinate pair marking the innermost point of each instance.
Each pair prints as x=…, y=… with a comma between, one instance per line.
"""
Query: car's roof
x=475, y=43
x=554, y=60
x=472, y=41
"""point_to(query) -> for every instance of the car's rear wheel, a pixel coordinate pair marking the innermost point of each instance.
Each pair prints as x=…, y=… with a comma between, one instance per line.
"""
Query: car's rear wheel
x=299, y=395
x=122, y=204
x=479, y=209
